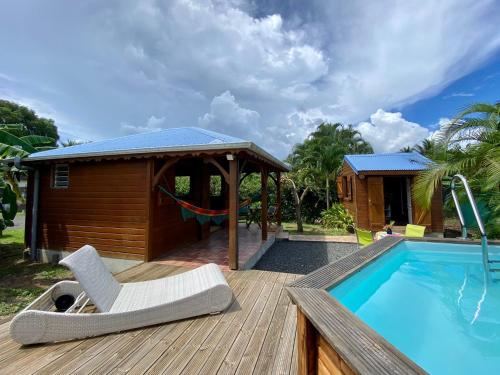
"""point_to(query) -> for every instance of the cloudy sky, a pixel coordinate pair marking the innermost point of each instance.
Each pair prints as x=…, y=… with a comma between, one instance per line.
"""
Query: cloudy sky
x=264, y=70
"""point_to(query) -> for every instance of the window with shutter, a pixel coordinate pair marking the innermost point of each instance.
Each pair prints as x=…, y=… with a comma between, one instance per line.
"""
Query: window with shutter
x=340, y=187
x=60, y=177
x=349, y=188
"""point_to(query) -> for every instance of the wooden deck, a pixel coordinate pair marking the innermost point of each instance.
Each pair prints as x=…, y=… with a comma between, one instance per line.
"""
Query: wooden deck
x=256, y=335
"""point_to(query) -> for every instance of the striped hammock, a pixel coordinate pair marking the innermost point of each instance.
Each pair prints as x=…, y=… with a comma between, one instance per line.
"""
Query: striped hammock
x=203, y=215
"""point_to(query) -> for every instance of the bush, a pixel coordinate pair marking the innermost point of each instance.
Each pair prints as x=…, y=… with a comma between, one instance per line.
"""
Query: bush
x=337, y=217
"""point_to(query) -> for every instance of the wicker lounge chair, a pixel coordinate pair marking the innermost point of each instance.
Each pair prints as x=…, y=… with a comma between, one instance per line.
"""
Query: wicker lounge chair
x=203, y=290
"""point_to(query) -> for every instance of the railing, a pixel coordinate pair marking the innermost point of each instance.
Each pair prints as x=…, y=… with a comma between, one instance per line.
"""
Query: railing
x=477, y=216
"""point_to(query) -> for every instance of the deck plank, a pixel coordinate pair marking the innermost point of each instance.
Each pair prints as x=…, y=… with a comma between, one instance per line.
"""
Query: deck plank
x=255, y=335
x=269, y=347
x=126, y=365
x=282, y=360
x=260, y=292
x=208, y=346
x=184, y=357
x=248, y=355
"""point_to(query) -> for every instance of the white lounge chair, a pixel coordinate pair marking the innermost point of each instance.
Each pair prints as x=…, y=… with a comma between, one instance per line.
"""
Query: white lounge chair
x=203, y=290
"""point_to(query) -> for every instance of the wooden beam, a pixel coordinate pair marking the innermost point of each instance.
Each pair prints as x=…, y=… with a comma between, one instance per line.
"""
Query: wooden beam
x=278, y=198
x=264, y=206
x=234, y=183
x=219, y=167
x=306, y=345
x=162, y=171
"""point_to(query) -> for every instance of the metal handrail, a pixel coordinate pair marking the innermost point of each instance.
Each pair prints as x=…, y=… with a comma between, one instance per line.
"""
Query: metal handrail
x=475, y=210
x=472, y=201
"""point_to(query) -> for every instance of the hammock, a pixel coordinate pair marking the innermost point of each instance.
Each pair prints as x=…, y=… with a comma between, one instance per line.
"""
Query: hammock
x=203, y=215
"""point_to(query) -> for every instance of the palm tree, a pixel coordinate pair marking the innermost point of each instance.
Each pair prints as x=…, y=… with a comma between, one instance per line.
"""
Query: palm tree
x=324, y=151
x=469, y=145
x=333, y=142
x=406, y=149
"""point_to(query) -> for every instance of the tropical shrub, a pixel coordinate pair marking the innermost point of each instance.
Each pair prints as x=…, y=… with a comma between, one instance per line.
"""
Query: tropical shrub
x=11, y=146
x=337, y=217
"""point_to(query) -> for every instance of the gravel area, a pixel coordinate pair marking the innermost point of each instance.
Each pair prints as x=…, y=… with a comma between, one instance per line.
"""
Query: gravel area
x=302, y=257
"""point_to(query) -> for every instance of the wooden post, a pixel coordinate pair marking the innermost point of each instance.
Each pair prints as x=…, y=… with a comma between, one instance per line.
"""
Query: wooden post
x=234, y=183
x=150, y=207
x=205, y=198
x=264, y=174
x=306, y=345
x=278, y=198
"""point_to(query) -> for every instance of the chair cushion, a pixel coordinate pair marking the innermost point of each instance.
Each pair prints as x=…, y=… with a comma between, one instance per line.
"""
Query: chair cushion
x=146, y=294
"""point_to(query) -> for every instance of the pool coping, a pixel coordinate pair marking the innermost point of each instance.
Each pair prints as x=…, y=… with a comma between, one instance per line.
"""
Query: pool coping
x=358, y=345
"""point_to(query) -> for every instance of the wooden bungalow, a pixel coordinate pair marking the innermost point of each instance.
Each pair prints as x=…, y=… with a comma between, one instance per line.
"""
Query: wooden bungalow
x=107, y=193
x=376, y=189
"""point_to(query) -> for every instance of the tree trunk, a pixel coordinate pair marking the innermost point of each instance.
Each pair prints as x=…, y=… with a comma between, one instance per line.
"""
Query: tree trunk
x=298, y=204
x=327, y=193
x=298, y=214
x=298, y=218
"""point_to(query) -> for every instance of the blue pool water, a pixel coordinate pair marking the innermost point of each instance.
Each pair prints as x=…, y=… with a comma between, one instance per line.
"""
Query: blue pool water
x=429, y=300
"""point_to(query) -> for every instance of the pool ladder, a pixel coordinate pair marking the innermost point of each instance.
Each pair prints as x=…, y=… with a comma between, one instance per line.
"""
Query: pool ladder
x=487, y=263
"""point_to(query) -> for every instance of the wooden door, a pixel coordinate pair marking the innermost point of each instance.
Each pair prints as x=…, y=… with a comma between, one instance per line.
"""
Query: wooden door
x=376, y=202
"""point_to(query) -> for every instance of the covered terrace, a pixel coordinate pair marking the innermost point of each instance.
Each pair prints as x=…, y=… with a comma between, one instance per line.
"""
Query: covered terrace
x=211, y=181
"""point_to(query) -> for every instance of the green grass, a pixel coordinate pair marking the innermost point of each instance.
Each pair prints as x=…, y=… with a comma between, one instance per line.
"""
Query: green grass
x=15, y=299
x=312, y=229
x=12, y=237
x=21, y=280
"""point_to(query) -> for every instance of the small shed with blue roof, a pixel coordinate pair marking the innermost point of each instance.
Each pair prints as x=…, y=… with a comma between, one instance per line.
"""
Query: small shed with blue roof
x=376, y=189
x=141, y=196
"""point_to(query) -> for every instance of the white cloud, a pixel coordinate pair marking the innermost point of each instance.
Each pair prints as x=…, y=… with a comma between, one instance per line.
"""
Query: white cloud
x=108, y=66
x=153, y=124
x=459, y=94
x=225, y=113
x=390, y=132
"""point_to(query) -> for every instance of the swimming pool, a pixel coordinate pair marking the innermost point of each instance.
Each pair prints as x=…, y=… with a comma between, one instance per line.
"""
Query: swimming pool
x=429, y=300
x=400, y=306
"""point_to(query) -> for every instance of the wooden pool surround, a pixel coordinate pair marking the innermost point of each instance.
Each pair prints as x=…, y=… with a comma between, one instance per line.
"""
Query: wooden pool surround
x=330, y=338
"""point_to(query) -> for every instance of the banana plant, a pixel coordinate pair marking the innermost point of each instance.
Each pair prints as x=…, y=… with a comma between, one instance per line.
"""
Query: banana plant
x=13, y=144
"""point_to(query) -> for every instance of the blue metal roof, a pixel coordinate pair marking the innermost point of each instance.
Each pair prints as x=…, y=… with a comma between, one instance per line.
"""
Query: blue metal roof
x=168, y=140
x=398, y=161
x=144, y=142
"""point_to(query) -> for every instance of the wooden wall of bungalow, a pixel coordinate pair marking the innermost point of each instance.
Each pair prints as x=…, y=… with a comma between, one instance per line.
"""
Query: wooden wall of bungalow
x=363, y=197
x=113, y=205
